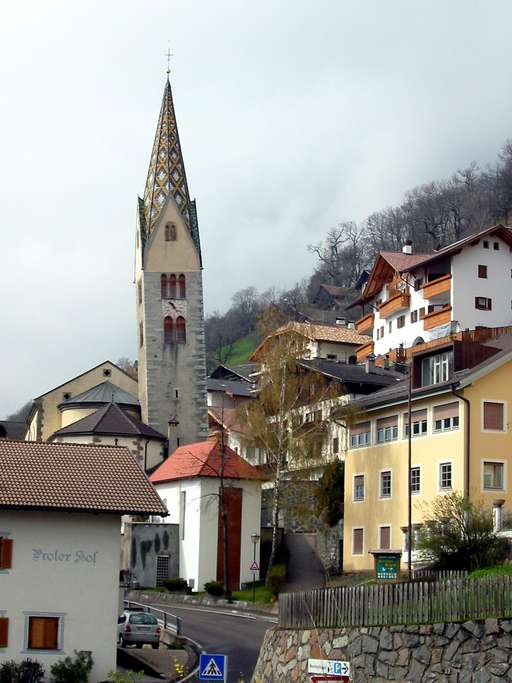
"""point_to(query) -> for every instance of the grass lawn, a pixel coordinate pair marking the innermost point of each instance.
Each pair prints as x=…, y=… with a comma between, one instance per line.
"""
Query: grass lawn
x=242, y=349
x=263, y=595
x=497, y=570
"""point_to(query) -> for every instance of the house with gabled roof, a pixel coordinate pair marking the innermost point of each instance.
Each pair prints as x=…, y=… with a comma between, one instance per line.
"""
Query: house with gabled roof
x=60, y=514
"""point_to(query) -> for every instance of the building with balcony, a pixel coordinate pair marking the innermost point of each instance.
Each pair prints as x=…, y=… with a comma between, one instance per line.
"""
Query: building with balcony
x=412, y=298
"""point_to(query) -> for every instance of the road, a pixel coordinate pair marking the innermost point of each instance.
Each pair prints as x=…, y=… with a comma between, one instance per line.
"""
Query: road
x=237, y=635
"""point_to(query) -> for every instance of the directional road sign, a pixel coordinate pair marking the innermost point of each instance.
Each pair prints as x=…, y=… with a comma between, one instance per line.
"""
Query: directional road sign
x=213, y=667
x=328, y=666
x=325, y=678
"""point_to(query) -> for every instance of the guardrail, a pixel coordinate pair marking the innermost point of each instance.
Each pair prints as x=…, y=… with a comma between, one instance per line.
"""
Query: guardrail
x=169, y=621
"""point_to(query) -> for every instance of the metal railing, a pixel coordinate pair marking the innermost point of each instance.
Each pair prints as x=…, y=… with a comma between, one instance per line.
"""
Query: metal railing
x=169, y=621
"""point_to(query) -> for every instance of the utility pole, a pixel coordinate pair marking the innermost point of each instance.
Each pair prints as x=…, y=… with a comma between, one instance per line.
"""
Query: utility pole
x=222, y=507
x=409, y=467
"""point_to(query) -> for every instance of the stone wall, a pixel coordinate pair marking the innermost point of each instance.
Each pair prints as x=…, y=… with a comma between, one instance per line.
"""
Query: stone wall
x=472, y=652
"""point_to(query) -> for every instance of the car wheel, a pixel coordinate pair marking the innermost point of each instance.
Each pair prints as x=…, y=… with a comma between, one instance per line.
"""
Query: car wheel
x=123, y=642
x=155, y=646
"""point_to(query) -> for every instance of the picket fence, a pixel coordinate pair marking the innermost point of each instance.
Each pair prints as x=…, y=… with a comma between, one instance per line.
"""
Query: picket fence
x=418, y=602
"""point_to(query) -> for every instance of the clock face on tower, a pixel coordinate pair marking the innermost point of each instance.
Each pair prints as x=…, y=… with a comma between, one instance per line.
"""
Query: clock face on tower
x=174, y=307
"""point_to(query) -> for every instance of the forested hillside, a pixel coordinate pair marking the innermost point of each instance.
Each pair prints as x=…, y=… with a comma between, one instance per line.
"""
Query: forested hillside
x=431, y=215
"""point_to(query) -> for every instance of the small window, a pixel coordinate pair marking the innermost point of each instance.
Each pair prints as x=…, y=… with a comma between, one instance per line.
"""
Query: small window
x=400, y=321
x=182, y=289
x=482, y=303
x=357, y=541
x=66, y=396
x=419, y=423
x=141, y=334
x=107, y=372
x=176, y=393
x=390, y=326
x=422, y=312
x=359, y=487
x=170, y=232
x=139, y=292
x=168, y=330
x=335, y=445
x=493, y=416
x=415, y=479
x=445, y=476
x=414, y=316
x=496, y=246
x=385, y=537
x=417, y=283
x=332, y=356
x=360, y=435
x=482, y=272
x=5, y=553
x=486, y=244
x=43, y=633
x=446, y=417
x=382, y=331
x=385, y=484
x=387, y=429
x=493, y=475
x=4, y=632
x=163, y=286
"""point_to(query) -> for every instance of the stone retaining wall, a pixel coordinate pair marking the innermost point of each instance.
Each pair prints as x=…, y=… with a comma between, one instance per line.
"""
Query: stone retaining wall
x=472, y=652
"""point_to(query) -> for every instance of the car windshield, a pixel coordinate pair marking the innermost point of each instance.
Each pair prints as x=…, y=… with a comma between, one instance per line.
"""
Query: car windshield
x=142, y=619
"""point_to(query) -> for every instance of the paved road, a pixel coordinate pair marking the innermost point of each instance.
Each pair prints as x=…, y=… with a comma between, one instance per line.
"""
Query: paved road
x=238, y=636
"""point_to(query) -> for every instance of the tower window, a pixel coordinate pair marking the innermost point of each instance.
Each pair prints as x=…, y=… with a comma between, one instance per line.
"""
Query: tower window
x=163, y=285
x=107, y=372
x=170, y=232
x=139, y=292
x=141, y=334
x=182, y=287
x=172, y=286
x=168, y=330
x=181, y=330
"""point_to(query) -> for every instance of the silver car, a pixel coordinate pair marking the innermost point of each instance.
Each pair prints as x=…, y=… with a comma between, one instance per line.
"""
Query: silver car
x=138, y=628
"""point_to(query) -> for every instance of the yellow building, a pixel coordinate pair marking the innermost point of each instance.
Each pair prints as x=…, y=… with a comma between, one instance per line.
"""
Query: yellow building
x=461, y=441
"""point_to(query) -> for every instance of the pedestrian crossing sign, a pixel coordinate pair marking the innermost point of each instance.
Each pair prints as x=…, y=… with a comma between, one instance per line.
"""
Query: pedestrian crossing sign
x=213, y=667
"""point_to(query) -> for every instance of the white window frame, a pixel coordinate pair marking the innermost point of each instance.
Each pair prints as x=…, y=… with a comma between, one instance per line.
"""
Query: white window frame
x=381, y=472
x=357, y=437
x=416, y=493
x=505, y=416
x=354, y=499
x=394, y=434
x=383, y=526
x=497, y=462
x=355, y=528
x=439, y=465
x=406, y=427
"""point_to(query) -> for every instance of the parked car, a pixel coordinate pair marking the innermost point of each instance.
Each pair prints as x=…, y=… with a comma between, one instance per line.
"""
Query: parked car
x=138, y=628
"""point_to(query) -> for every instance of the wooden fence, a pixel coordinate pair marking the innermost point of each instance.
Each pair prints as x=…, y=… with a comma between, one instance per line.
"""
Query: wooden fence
x=417, y=602
x=440, y=574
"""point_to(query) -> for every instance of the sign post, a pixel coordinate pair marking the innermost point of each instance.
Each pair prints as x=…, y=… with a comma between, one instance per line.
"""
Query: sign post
x=324, y=670
x=213, y=667
x=255, y=538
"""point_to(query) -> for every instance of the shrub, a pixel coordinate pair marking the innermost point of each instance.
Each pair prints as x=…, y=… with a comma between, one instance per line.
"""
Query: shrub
x=214, y=588
x=276, y=578
x=27, y=671
x=72, y=670
x=175, y=585
x=127, y=677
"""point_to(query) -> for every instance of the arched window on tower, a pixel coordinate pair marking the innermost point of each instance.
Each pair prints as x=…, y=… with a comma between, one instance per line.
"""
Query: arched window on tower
x=168, y=330
x=181, y=330
x=172, y=286
x=182, y=287
x=163, y=285
x=170, y=232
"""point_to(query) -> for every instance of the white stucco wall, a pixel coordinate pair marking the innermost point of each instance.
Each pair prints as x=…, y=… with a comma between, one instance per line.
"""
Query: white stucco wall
x=84, y=593
x=466, y=285
x=198, y=549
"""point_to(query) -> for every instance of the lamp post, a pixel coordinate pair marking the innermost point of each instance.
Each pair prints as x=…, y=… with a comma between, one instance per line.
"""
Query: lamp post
x=255, y=538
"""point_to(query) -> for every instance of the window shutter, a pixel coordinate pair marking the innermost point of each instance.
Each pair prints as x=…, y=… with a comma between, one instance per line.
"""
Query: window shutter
x=358, y=541
x=51, y=634
x=385, y=538
x=493, y=416
x=387, y=422
x=360, y=428
x=4, y=632
x=417, y=416
x=445, y=411
x=5, y=553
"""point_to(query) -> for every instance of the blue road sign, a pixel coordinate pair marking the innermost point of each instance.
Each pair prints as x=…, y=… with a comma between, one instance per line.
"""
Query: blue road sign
x=213, y=667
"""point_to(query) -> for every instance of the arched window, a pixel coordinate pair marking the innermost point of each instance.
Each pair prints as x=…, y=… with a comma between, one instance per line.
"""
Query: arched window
x=172, y=286
x=181, y=330
x=168, y=330
x=170, y=232
x=182, y=287
x=163, y=285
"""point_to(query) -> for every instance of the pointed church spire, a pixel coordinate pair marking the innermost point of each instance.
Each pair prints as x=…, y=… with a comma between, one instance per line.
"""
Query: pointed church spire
x=166, y=174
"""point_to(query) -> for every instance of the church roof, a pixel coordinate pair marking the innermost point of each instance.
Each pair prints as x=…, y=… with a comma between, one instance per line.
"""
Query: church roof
x=110, y=420
x=203, y=459
x=106, y=392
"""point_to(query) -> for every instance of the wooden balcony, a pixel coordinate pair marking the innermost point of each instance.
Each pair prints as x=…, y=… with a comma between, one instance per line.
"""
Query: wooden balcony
x=440, y=317
x=394, y=304
x=437, y=287
x=365, y=324
x=364, y=351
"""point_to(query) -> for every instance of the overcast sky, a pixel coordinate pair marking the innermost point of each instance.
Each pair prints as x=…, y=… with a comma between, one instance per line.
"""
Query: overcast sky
x=293, y=115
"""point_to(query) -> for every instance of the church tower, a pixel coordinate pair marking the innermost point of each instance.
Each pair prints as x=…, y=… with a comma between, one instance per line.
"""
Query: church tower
x=169, y=293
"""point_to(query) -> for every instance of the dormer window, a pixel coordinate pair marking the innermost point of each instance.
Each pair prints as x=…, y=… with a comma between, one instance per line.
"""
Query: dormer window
x=437, y=368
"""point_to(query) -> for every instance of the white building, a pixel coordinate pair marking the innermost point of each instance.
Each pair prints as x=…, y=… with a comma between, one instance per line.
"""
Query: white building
x=60, y=513
x=415, y=298
x=188, y=483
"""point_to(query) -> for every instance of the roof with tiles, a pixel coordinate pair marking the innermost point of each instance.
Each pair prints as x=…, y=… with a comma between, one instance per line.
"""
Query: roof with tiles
x=74, y=477
x=110, y=420
x=203, y=459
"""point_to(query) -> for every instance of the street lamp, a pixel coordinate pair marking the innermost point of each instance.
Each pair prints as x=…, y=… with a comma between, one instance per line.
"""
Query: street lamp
x=255, y=538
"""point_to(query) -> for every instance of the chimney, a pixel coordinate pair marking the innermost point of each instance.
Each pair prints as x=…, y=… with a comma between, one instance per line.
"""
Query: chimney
x=407, y=248
x=369, y=365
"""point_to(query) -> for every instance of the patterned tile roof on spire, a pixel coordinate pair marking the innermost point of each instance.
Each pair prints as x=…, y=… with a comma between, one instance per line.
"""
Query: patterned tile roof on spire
x=166, y=174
